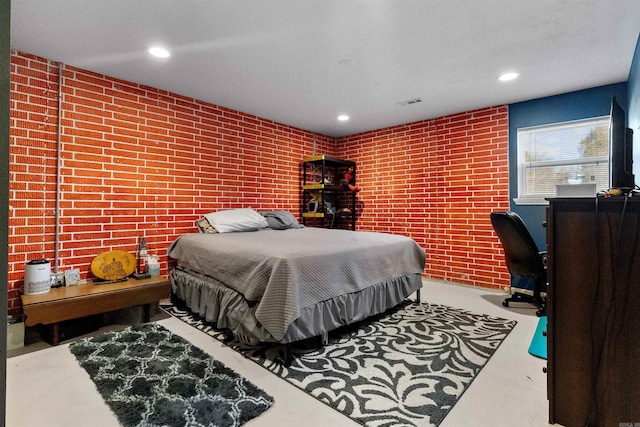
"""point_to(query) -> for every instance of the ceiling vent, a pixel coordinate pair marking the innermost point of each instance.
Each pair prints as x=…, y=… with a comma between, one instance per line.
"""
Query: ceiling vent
x=410, y=102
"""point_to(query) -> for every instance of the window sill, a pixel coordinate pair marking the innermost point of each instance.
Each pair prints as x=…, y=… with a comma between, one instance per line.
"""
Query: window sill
x=530, y=201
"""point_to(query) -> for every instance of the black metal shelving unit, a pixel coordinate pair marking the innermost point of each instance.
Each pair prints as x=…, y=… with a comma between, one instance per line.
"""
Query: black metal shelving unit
x=325, y=201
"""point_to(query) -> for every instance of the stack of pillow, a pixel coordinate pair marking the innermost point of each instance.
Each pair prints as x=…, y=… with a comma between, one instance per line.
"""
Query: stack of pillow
x=245, y=219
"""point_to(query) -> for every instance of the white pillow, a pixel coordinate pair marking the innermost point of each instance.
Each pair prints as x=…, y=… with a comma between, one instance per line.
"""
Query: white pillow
x=243, y=219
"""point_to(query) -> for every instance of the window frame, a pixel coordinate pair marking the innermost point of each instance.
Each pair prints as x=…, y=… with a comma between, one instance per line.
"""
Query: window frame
x=540, y=199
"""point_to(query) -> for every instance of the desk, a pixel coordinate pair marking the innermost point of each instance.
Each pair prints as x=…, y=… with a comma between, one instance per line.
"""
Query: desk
x=72, y=302
x=593, y=309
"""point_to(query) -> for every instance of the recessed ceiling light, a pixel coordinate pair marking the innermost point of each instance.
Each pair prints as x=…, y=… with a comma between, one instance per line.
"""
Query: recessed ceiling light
x=343, y=118
x=160, y=52
x=508, y=76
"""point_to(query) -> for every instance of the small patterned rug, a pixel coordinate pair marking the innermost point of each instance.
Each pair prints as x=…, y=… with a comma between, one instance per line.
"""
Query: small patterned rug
x=406, y=367
x=151, y=377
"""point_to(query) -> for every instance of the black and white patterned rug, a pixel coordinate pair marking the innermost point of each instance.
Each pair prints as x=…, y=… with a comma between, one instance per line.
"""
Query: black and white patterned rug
x=151, y=377
x=406, y=367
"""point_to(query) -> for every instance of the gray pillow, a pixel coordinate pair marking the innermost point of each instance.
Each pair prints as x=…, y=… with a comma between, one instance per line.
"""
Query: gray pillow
x=281, y=220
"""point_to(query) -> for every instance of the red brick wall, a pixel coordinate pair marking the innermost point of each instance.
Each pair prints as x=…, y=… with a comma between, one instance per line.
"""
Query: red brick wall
x=437, y=181
x=134, y=161
x=141, y=161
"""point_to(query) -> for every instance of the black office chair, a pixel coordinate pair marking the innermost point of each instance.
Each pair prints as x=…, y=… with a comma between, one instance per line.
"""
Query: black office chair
x=523, y=259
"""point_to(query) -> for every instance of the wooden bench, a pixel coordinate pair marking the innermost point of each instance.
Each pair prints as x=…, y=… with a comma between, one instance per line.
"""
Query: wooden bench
x=72, y=302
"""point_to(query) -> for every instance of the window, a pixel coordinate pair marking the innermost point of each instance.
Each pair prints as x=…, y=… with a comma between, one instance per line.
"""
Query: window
x=562, y=153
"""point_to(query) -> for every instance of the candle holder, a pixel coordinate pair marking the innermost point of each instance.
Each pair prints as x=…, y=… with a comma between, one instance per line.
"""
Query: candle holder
x=141, y=260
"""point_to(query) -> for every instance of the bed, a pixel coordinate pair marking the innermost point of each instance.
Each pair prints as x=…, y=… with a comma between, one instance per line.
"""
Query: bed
x=282, y=284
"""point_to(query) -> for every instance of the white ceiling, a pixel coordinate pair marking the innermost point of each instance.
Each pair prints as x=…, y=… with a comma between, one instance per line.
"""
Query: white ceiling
x=284, y=60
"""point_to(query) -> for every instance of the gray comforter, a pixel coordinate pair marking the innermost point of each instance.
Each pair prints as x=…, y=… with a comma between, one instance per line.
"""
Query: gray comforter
x=286, y=270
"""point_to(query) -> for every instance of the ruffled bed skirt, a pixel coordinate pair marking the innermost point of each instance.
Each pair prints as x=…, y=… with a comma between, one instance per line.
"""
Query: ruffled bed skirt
x=227, y=309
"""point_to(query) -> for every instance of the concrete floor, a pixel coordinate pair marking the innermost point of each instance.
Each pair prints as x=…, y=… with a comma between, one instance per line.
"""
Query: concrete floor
x=47, y=387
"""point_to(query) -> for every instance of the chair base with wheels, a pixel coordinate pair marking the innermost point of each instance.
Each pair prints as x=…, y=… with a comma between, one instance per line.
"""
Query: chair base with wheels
x=540, y=302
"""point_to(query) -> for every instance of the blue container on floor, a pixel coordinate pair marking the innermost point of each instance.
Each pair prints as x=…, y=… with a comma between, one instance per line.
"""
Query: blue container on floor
x=538, y=345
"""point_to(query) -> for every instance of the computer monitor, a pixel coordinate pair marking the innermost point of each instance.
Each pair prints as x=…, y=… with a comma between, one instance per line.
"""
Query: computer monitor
x=620, y=149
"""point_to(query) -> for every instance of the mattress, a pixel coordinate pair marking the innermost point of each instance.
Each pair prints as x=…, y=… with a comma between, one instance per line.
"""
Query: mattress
x=283, y=275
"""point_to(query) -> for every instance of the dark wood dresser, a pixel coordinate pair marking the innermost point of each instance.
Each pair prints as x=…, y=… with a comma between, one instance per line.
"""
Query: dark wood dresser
x=594, y=311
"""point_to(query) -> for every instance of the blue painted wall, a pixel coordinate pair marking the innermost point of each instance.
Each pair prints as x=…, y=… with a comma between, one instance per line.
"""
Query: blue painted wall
x=560, y=108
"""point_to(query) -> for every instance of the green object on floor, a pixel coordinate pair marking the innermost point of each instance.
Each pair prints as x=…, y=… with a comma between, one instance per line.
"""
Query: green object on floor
x=538, y=345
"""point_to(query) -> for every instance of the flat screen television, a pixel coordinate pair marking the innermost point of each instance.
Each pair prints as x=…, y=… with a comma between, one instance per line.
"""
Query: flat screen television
x=620, y=149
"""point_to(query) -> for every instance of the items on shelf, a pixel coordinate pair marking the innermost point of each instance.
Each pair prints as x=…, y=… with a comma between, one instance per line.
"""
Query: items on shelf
x=329, y=192
x=347, y=180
